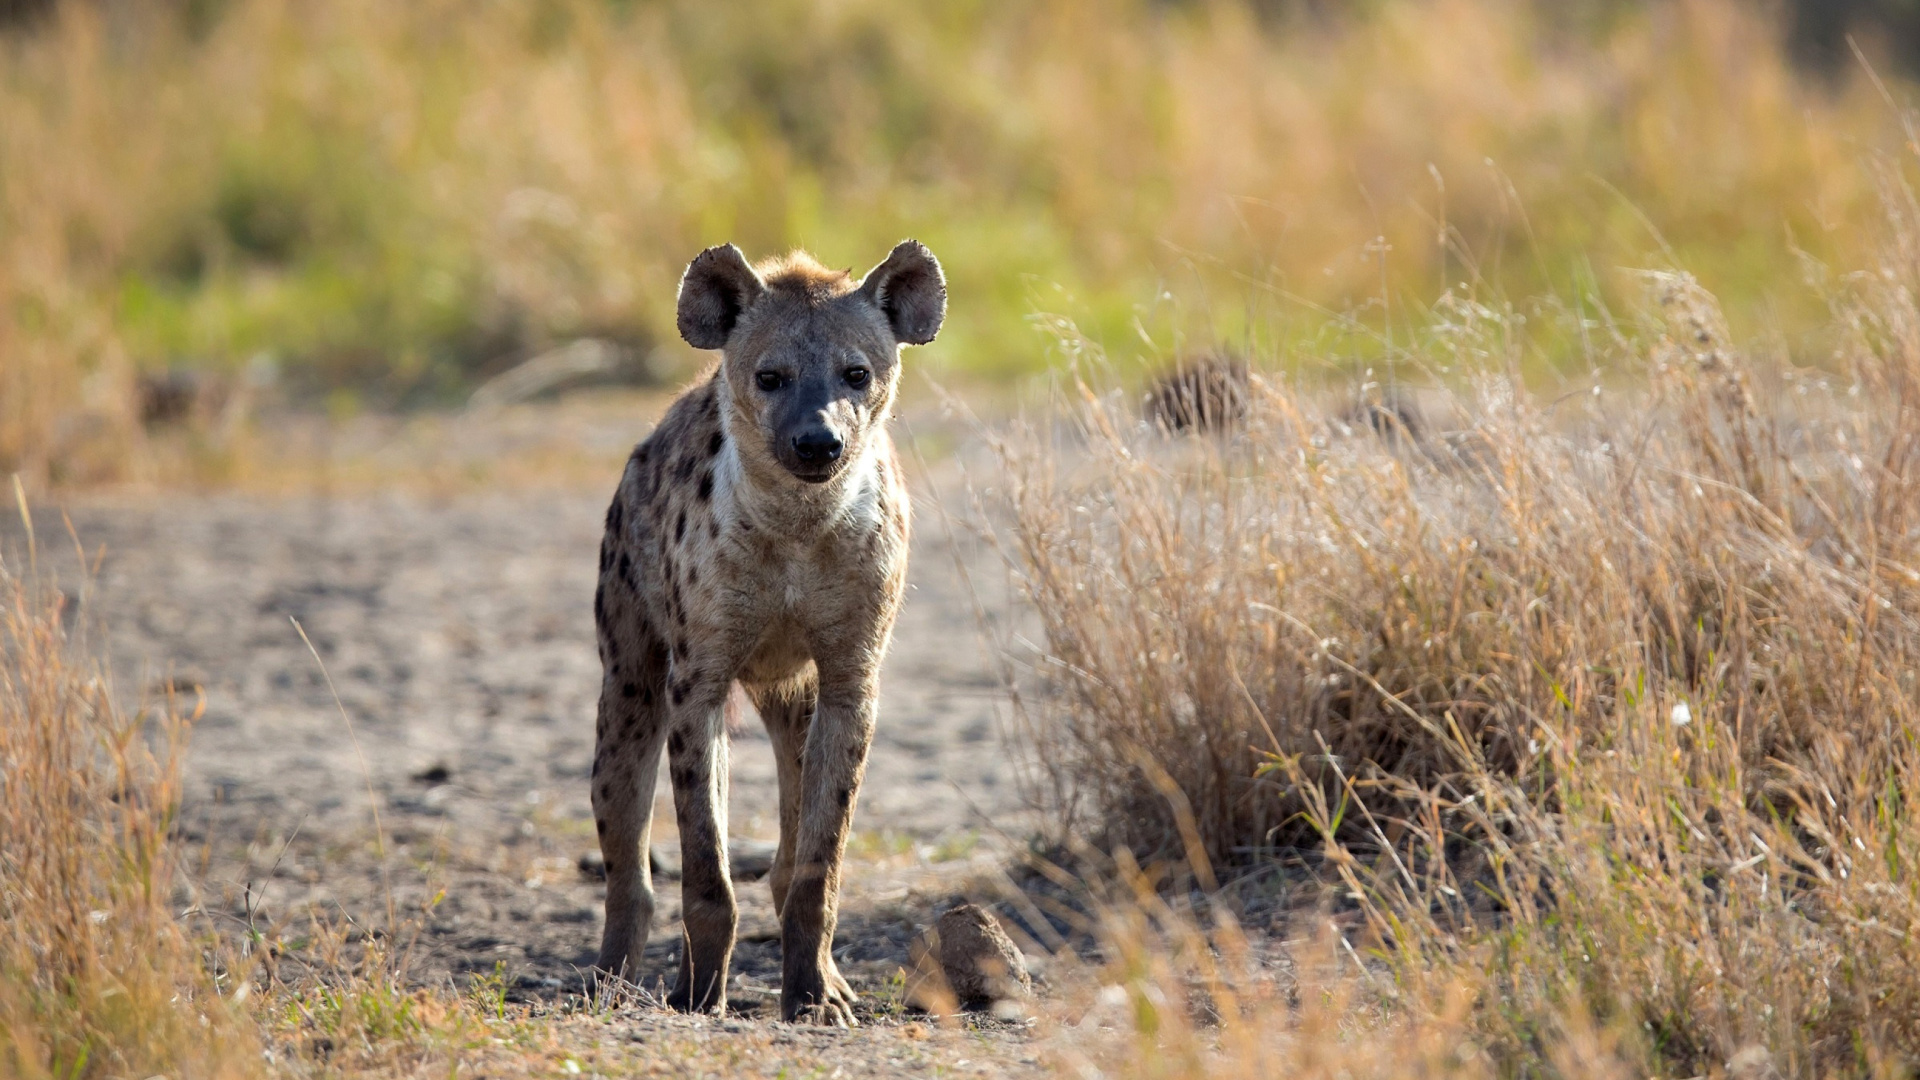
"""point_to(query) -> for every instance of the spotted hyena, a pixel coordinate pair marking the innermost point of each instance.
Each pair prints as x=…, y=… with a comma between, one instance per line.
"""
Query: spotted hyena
x=759, y=535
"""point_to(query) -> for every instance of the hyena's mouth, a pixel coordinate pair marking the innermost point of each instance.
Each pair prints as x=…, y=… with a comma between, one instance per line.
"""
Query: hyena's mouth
x=814, y=474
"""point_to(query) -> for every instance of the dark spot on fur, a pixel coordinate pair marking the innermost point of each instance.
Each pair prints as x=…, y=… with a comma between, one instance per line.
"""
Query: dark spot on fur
x=846, y=797
x=713, y=530
x=626, y=566
x=679, y=695
x=676, y=745
x=746, y=526
x=606, y=556
x=640, y=454
x=706, y=486
x=714, y=444
x=680, y=528
x=646, y=696
x=616, y=516
x=693, y=576
x=600, y=827
x=600, y=604
x=683, y=469
x=680, y=619
x=628, y=690
x=596, y=767
x=680, y=646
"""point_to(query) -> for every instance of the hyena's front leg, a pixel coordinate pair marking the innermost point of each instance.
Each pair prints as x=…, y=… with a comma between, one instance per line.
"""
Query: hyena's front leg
x=812, y=988
x=787, y=710
x=697, y=762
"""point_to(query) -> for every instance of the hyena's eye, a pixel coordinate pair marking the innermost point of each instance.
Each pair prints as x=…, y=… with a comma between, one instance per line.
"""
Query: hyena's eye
x=857, y=377
x=768, y=381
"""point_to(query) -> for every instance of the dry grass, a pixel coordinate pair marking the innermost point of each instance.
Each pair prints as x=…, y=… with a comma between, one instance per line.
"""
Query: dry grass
x=1601, y=708
x=384, y=202
x=96, y=977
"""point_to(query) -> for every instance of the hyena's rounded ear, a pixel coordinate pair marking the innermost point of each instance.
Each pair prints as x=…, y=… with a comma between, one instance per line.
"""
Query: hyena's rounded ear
x=718, y=287
x=911, y=291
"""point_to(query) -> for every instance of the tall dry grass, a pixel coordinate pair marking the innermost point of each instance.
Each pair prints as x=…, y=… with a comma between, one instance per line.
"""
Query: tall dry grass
x=385, y=201
x=115, y=962
x=96, y=976
x=1599, y=708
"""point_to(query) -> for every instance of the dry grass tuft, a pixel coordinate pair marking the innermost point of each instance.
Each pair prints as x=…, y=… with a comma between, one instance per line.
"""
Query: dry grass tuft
x=1601, y=710
x=96, y=977
x=1203, y=393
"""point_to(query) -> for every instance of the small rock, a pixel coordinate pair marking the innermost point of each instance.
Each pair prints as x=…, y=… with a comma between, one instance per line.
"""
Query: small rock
x=664, y=860
x=437, y=773
x=593, y=866
x=750, y=860
x=982, y=965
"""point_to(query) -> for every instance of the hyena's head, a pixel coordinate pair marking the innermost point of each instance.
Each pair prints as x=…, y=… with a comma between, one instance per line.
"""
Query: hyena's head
x=810, y=356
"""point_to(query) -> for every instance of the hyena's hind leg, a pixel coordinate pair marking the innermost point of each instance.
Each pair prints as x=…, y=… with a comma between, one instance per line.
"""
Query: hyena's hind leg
x=626, y=764
x=787, y=710
x=709, y=913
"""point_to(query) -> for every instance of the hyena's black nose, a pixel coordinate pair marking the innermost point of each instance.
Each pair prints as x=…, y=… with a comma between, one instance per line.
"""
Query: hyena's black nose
x=817, y=447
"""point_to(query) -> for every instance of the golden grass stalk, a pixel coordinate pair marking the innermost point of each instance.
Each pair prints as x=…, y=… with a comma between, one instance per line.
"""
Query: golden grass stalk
x=96, y=976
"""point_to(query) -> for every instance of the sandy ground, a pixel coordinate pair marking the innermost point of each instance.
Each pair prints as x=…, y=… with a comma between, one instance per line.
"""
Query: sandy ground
x=457, y=631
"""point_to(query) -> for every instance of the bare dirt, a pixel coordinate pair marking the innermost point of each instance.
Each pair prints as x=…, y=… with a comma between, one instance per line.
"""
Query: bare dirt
x=457, y=633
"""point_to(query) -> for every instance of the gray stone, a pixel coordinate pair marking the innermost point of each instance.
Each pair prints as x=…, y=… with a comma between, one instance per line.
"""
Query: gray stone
x=981, y=963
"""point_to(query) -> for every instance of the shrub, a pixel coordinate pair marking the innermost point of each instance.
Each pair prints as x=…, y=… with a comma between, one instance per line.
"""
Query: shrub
x=1603, y=703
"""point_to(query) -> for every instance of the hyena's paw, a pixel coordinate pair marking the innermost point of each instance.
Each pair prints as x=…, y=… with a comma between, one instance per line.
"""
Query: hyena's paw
x=822, y=999
x=712, y=997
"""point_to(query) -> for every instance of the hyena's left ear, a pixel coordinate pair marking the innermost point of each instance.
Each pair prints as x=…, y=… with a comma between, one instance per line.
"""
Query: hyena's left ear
x=911, y=291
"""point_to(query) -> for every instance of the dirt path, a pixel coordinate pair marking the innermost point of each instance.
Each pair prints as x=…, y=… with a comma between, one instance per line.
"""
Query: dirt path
x=458, y=634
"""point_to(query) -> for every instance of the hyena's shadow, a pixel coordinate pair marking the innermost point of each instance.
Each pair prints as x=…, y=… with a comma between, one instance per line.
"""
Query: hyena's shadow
x=873, y=947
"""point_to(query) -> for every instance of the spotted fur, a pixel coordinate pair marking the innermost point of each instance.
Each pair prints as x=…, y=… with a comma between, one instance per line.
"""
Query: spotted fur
x=759, y=535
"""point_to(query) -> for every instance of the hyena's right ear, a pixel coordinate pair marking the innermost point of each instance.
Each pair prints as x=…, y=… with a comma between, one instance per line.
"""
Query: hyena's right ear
x=716, y=290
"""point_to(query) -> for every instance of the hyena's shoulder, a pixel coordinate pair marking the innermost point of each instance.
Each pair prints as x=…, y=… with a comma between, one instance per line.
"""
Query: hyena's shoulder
x=675, y=457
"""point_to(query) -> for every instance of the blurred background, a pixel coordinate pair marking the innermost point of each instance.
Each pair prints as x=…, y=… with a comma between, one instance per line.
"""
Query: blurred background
x=211, y=209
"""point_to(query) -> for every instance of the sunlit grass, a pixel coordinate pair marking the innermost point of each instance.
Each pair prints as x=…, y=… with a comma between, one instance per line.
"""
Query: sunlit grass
x=96, y=976
x=1595, y=710
x=382, y=202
